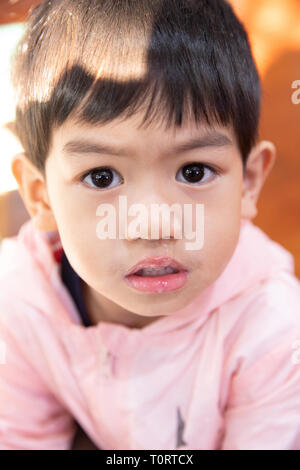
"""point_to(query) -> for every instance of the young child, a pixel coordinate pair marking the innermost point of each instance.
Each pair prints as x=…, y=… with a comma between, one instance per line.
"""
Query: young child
x=155, y=102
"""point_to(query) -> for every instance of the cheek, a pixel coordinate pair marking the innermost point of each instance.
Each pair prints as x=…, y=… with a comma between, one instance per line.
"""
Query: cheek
x=77, y=223
x=93, y=259
x=223, y=207
x=96, y=261
x=221, y=238
x=75, y=214
x=221, y=229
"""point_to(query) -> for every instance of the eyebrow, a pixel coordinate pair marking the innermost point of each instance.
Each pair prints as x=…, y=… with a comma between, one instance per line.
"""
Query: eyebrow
x=83, y=146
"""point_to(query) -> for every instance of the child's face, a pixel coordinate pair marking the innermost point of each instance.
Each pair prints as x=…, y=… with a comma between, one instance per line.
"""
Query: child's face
x=148, y=172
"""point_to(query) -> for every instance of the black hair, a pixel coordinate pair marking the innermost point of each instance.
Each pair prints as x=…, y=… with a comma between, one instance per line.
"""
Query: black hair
x=97, y=60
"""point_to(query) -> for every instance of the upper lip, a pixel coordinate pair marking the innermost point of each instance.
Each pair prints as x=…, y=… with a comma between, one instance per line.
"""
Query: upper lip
x=156, y=262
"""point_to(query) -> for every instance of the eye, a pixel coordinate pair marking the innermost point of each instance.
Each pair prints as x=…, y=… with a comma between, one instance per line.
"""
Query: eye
x=195, y=172
x=101, y=178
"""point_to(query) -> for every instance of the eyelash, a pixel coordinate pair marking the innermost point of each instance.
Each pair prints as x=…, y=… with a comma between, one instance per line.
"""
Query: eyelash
x=213, y=170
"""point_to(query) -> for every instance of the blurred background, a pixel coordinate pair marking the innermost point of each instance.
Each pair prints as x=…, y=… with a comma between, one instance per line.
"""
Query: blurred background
x=274, y=31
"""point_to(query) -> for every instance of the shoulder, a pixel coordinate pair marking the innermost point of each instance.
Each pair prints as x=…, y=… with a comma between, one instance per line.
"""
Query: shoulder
x=26, y=259
x=267, y=320
x=263, y=352
x=30, y=280
x=276, y=301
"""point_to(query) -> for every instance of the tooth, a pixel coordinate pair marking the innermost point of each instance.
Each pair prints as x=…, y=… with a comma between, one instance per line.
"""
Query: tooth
x=156, y=271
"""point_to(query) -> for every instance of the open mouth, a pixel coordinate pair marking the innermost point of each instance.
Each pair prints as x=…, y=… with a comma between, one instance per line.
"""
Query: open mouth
x=153, y=272
x=158, y=275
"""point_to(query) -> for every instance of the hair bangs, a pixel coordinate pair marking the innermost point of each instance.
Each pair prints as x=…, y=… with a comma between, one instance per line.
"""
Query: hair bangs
x=172, y=60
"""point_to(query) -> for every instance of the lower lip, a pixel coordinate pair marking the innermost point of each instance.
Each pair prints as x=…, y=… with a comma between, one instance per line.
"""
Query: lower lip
x=157, y=284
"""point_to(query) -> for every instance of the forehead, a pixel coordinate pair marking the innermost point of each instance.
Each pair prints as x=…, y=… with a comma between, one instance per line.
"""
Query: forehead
x=129, y=134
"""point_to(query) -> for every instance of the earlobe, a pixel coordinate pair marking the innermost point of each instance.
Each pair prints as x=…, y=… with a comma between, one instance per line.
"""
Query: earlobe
x=33, y=190
x=44, y=222
x=259, y=164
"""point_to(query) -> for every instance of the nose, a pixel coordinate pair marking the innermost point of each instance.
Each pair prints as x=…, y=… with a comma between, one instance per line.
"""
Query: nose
x=154, y=219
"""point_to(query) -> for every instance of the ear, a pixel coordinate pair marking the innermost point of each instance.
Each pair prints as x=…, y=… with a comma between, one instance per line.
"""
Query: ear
x=33, y=189
x=259, y=164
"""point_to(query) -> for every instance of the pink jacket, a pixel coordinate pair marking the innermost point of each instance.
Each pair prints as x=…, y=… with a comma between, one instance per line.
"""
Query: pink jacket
x=222, y=373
